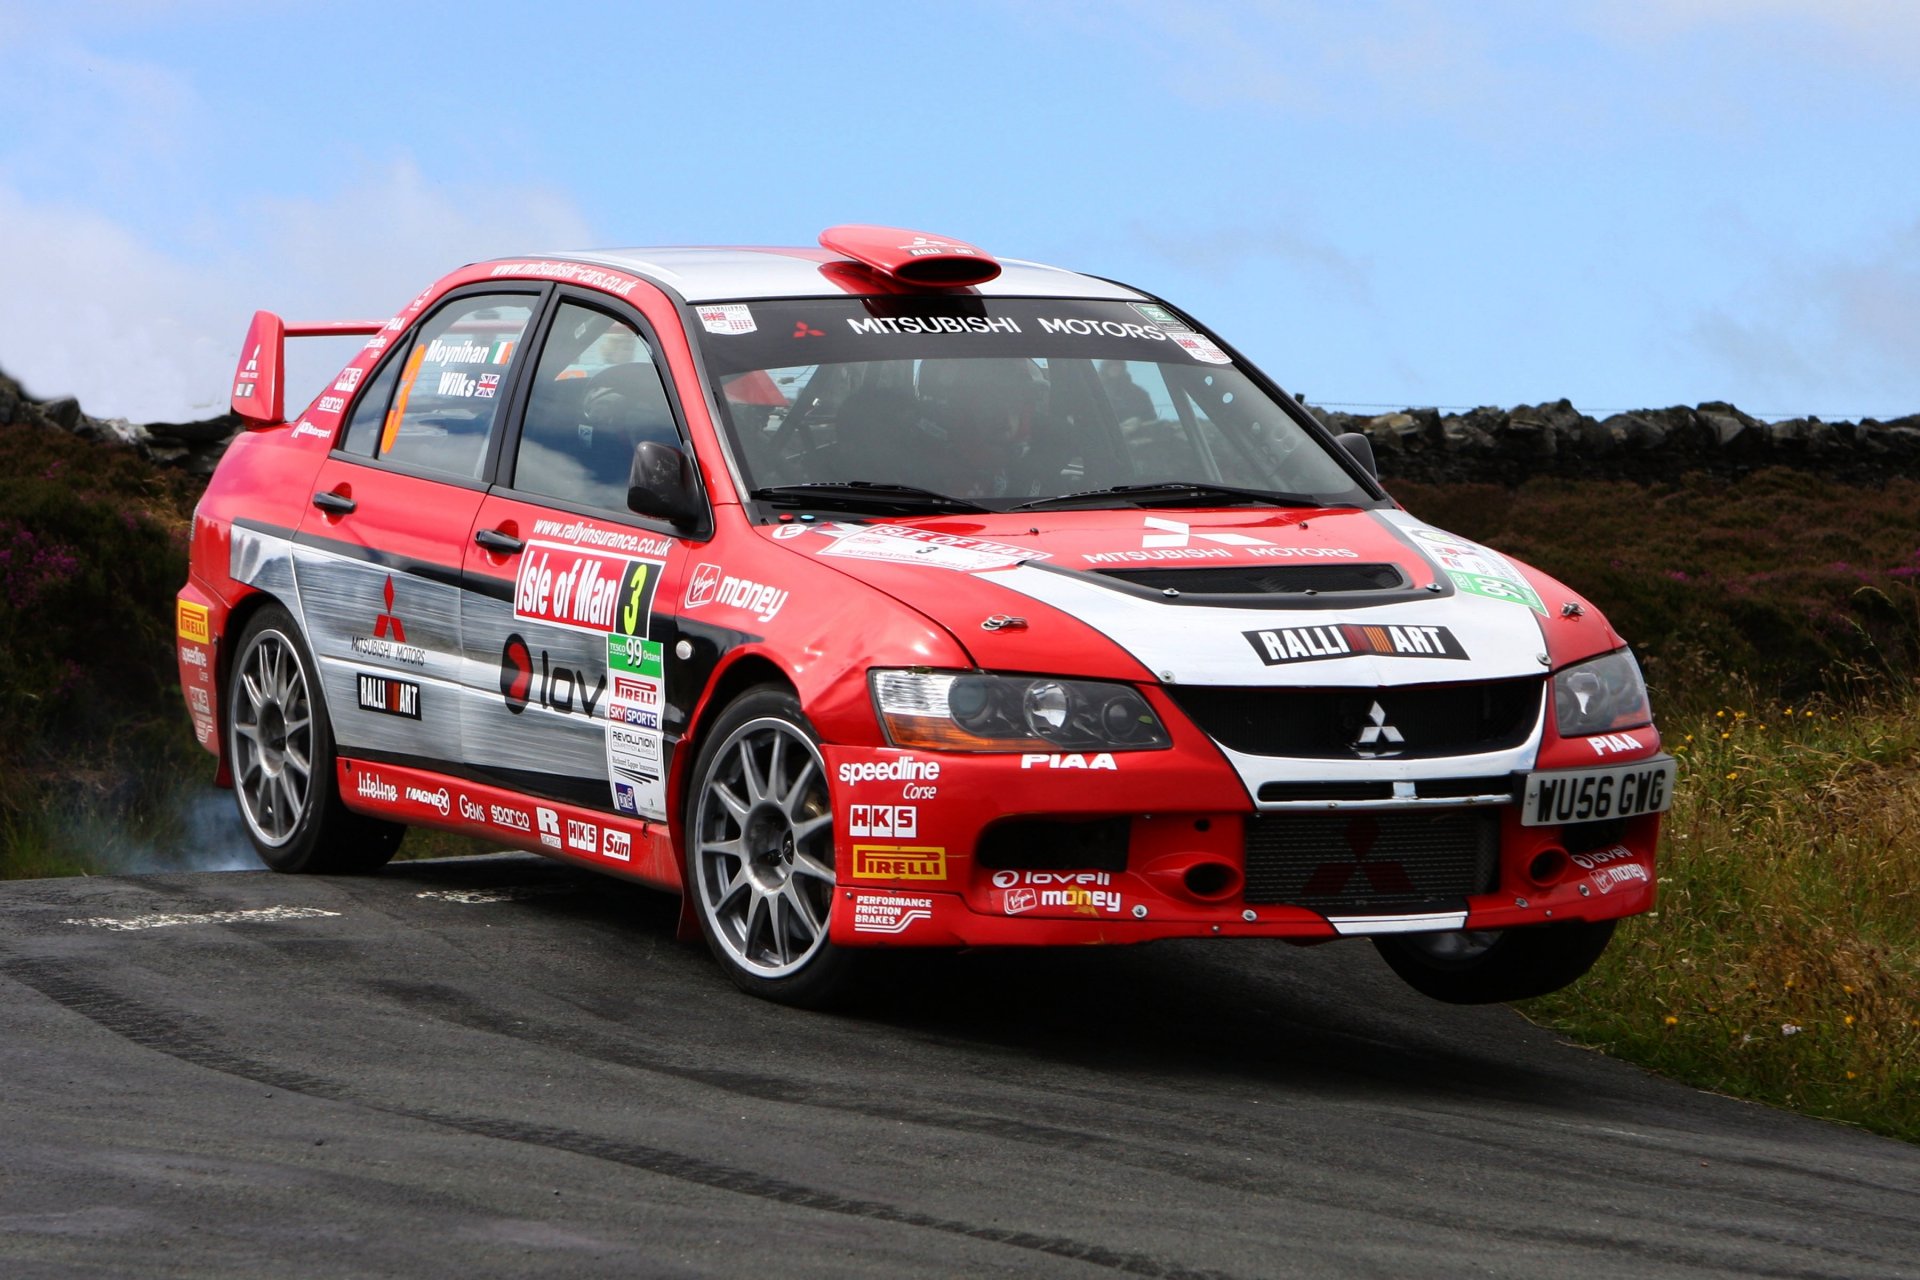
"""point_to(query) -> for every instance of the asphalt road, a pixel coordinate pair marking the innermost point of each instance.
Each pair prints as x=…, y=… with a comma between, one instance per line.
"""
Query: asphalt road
x=503, y=1067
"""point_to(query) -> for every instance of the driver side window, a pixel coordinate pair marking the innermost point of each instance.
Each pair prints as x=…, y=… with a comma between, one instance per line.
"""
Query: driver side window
x=596, y=395
x=450, y=386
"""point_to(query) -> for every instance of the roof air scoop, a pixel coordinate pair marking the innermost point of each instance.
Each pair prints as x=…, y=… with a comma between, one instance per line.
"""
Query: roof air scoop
x=912, y=257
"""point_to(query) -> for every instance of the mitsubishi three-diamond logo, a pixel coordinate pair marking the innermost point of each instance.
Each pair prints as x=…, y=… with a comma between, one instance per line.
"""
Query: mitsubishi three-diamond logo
x=1177, y=533
x=1377, y=737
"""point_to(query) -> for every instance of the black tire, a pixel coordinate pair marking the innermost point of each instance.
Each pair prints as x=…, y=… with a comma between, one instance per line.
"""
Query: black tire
x=280, y=750
x=759, y=853
x=1466, y=967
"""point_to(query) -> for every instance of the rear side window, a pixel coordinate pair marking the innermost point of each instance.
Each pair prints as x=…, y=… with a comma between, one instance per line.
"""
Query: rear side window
x=452, y=383
x=596, y=395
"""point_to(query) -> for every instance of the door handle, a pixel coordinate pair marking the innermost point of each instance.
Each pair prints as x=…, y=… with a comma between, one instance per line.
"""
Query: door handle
x=334, y=504
x=501, y=544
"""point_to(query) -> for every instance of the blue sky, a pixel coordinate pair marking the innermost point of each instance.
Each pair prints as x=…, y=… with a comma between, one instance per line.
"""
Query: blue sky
x=1627, y=202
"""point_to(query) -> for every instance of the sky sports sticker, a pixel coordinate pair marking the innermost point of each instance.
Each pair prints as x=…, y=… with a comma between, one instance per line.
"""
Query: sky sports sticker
x=1280, y=645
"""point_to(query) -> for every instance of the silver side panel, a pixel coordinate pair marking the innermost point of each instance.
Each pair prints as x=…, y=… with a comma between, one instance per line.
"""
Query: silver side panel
x=563, y=727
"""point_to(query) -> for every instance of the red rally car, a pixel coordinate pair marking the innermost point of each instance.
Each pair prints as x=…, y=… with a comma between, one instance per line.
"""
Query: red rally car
x=888, y=594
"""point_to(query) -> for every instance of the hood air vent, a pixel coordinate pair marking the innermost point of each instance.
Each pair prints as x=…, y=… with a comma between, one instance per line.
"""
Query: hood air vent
x=1266, y=579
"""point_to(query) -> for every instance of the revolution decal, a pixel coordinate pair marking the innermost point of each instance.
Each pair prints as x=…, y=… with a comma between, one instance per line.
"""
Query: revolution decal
x=1280, y=645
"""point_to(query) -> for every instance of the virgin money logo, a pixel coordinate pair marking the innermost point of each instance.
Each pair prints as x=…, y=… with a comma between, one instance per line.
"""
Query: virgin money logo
x=705, y=581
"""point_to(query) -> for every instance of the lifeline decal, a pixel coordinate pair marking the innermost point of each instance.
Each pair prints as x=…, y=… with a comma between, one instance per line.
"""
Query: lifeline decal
x=1279, y=645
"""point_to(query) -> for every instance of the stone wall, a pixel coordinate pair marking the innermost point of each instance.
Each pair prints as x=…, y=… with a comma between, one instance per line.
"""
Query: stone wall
x=194, y=446
x=1505, y=446
x=1508, y=446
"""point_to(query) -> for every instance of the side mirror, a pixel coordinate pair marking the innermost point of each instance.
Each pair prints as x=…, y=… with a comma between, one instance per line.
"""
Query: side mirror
x=1361, y=450
x=661, y=484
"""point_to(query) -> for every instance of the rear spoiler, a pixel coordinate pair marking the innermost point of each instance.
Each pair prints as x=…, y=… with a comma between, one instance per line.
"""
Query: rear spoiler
x=258, y=394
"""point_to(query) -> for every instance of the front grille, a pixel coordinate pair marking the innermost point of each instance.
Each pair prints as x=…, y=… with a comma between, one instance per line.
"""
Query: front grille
x=1347, y=864
x=1327, y=724
x=1423, y=789
x=1266, y=580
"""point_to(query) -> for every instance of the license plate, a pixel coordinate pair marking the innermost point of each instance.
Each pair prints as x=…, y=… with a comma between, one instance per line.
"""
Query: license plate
x=1591, y=795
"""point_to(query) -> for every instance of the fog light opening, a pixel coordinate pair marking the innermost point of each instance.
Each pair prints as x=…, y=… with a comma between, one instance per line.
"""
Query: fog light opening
x=1549, y=866
x=1210, y=881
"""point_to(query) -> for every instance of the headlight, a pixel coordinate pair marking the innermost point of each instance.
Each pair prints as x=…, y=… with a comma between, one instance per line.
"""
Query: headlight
x=1600, y=695
x=972, y=711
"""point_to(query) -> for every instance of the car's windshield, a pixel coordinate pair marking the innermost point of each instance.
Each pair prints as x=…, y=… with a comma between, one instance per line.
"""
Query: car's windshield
x=1002, y=402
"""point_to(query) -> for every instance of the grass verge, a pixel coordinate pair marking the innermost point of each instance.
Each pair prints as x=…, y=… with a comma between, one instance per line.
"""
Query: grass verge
x=1783, y=961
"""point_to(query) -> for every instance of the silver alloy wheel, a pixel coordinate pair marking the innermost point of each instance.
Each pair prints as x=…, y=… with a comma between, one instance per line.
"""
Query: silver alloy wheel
x=763, y=847
x=272, y=737
x=1455, y=946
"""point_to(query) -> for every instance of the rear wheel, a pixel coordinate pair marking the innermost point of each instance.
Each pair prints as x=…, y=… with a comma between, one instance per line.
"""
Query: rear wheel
x=1469, y=966
x=760, y=852
x=280, y=749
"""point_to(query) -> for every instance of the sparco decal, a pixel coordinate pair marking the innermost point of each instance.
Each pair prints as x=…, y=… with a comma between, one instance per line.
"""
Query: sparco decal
x=563, y=689
x=1281, y=645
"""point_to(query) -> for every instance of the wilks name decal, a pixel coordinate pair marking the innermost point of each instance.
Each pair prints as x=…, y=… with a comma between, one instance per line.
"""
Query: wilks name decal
x=1281, y=645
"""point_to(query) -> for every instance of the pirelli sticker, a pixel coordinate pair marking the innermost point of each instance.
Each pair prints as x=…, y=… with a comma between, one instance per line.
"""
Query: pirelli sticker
x=190, y=620
x=899, y=862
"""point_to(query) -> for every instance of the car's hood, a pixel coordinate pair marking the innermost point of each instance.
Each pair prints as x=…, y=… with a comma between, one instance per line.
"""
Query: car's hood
x=1229, y=597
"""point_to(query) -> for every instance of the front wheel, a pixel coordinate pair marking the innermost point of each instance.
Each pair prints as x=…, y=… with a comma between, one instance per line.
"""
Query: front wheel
x=280, y=749
x=760, y=852
x=1468, y=966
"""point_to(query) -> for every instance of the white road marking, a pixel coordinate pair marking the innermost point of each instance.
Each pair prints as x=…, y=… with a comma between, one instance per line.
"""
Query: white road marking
x=165, y=921
x=508, y=893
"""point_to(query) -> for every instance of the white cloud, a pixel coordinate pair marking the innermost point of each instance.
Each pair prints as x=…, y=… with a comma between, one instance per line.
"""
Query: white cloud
x=94, y=309
x=1820, y=332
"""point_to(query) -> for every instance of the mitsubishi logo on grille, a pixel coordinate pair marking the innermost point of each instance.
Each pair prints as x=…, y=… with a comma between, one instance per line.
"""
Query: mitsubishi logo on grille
x=1377, y=737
